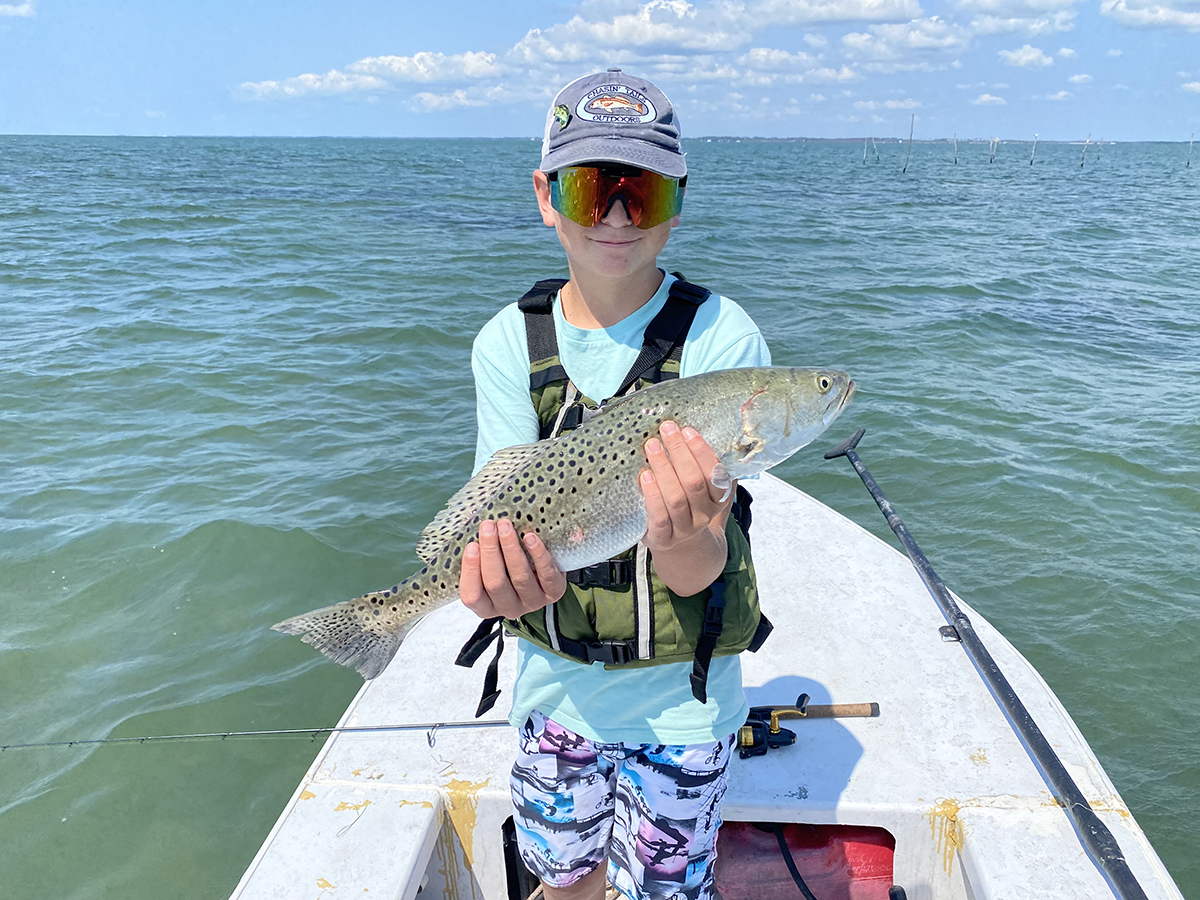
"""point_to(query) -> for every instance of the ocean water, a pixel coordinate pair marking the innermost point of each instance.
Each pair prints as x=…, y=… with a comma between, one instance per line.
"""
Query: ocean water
x=234, y=385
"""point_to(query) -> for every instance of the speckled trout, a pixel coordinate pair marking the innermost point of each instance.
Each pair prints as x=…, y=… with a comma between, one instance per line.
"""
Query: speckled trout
x=579, y=492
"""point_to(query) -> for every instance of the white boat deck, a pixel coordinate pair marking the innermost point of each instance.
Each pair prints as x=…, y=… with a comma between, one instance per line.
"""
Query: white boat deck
x=378, y=814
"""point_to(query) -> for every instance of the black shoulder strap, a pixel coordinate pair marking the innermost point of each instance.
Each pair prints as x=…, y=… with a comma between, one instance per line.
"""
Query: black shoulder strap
x=714, y=621
x=489, y=630
x=668, y=330
x=539, y=330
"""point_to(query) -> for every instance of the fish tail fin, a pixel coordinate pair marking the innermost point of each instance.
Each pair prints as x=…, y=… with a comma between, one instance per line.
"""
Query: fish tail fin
x=364, y=632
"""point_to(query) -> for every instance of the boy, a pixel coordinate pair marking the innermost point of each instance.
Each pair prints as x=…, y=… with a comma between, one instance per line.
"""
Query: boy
x=625, y=727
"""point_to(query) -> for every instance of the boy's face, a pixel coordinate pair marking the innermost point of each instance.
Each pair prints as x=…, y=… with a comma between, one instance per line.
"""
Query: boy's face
x=612, y=248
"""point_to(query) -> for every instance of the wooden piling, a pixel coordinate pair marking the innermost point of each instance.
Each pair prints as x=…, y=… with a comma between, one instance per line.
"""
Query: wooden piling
x=911, y=125
x=1084, y=155
x=1034, y=153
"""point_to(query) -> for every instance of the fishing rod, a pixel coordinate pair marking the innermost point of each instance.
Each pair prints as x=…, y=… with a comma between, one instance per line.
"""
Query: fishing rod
x=431, y=727
x=1097, y=840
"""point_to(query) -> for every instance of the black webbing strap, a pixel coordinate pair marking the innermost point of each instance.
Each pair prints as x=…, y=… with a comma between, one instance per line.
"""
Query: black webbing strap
x=761, y=633
x=714, y=621
x=667, y=331
x=539, y=330
x=489, y=630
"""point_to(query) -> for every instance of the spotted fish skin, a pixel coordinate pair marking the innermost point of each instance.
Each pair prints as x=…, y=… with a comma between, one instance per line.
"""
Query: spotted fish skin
x=579, y=492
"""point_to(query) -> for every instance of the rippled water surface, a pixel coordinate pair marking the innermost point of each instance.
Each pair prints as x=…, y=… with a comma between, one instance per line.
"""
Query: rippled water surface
x=234, y=385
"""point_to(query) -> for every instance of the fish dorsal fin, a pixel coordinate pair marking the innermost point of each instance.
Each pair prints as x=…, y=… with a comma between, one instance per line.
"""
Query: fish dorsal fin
x=475, y=494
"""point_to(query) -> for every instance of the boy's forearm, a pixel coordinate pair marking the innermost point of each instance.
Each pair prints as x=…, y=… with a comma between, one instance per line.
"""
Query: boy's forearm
x=691, y=567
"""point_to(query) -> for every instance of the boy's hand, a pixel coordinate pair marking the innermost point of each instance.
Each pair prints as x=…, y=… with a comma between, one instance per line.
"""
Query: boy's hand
x=681, y=500
x=685, y=512
x=499, y=579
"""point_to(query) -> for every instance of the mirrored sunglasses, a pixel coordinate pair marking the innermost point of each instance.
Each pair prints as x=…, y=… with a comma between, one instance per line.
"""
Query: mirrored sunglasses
x=585, y=194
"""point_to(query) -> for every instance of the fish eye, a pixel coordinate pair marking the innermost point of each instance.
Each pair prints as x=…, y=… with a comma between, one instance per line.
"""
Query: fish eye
x=824, y=383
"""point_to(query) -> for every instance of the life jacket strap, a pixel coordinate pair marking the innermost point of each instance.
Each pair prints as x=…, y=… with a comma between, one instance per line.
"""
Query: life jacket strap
x=667, y=331
x=489, y=630
x=714, y=621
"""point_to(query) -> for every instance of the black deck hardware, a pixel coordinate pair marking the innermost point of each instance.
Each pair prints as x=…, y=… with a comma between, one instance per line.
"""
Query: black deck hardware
x=1097, y=840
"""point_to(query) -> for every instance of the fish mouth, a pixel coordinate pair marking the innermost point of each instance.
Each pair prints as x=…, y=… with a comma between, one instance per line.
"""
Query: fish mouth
x=834, y=409
x=851, y=390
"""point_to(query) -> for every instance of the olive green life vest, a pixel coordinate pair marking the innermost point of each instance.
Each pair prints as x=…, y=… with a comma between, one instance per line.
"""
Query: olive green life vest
x=619, y=612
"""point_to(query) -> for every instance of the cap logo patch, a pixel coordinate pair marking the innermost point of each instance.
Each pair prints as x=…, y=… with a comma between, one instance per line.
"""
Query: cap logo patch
x=562, y=115
x=616, y=104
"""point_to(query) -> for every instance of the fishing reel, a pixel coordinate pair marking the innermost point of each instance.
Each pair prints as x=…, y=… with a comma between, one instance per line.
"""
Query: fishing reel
x=762, y=731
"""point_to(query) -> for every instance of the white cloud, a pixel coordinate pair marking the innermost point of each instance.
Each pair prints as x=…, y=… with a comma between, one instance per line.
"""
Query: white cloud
x=376, y=73
x=1114, y=52
x=1027, y=57
x=763, y=58
x=1193, y=86
x=1061, y=95
x=797, y=12
x=1067, y=53
x=1014, y=7
x=820, y=98
x=1153, y=13
x=24, y=10
x=332, y=82
x=1080, y=79
x=1059, y=21
x=1000, y=86
x=658, y=23
x=887, y=104
x=428, y=102
x=988, y=100
x=890, y=42
x=677, y=41
x=428, y=66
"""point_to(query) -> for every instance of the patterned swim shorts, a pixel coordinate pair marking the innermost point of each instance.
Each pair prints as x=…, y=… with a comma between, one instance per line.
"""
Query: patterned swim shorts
x=651, y=810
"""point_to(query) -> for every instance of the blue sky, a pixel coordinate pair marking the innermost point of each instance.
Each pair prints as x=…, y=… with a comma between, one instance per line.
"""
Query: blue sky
x=1115, y=69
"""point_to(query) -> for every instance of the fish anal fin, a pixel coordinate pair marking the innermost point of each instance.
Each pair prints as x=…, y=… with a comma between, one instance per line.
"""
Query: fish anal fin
x=460, y=509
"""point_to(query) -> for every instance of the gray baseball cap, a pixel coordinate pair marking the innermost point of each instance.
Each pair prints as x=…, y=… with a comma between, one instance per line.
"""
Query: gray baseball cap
x=613, y=117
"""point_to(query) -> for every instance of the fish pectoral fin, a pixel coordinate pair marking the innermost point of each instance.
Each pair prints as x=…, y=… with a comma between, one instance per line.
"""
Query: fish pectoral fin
x=460, y=509
x=722, y=481
x=748, y=447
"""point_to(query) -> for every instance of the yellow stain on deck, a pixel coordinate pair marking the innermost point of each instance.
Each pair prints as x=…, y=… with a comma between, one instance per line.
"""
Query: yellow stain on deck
x=464, y=800
x=424, y=804
x=946, y=831
x=354, y=806
x=1096, y=805
x=306, y=794
x=979, y=757
x=324, y=885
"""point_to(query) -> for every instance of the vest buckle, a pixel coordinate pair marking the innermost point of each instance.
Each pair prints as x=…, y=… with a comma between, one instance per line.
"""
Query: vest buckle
x=610, y=573
x=614, y=653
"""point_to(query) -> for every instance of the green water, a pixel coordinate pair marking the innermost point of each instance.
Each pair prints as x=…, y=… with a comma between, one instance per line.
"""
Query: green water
x=234, y=386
